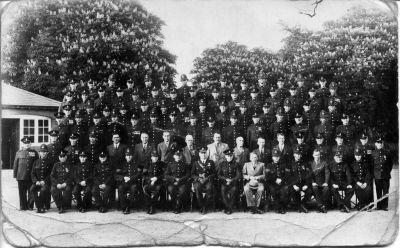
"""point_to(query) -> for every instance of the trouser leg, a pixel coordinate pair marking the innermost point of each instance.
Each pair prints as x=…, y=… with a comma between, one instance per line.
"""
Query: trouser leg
x=23, y=189
x=77, y=194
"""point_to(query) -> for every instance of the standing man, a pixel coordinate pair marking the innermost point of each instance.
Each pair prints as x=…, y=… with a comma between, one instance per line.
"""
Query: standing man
x=241, y=154
x=382, y=167
x=166, y=148
x=23, y=161
x=215, y=151
x=189, y=151
x=143, y=150
x=229, y=174
x=254, y=174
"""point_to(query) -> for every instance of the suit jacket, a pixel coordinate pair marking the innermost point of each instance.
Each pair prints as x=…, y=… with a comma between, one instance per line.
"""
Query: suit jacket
x=166, y=152
x=241, y=157
x=249, y=170
x=217, y=155
x=188, y=157
x=265, y=157
x=116, y=156
x=143, y=156
x=285, y=155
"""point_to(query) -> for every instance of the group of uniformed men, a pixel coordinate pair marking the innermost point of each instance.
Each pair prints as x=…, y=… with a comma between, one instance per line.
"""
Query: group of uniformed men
x=281, y=144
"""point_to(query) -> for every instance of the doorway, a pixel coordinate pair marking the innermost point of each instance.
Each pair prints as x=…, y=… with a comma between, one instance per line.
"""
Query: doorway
x=9, y=141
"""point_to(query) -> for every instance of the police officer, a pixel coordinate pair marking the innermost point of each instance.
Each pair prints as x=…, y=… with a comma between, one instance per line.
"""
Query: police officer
x=61, y=183
x=177, y=175
x=152, y=181
x=54, y=146
x=338, y=174
x=22, y=168
x=41, y=170
x=276, y=176
x=299, y=181
x=230, y=133
x=73, y=150
x=229, y=175
x=103, y=177
x=99, y=130
x=83, y=181
x=383, y=165
x=128, y=180
x=361, y=179
x=203, y=174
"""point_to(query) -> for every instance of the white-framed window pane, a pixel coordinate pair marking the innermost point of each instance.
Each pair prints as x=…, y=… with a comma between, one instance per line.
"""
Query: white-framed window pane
x=43, y=129
x=29, y=129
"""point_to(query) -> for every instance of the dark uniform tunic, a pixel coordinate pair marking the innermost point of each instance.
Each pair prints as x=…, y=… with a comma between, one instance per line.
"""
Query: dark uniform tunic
x=103, y=174
x=152, y=191
x=383, y=165
x=300, y=176
x=131, y=170
x=177, y=175
x=339, y=174
x=62, y=173
x=22, y=168
x=362, y=175
x=205, y=171
x=279, y=192
x=83, y=172
x=229, y=170
x=41, y=170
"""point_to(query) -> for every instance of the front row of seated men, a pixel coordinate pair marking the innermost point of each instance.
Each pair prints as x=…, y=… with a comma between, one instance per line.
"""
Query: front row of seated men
x=280, y=183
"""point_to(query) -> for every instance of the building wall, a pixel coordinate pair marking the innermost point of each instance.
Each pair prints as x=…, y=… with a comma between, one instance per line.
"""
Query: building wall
x=13, y=113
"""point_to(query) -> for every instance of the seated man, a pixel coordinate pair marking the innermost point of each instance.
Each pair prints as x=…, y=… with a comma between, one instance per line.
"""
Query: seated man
x=203, y=173
x=128, y=182
x=338, y=173
x=318, y=177
x=61, y=183
x=153, y=176
x=40, y=175
x=177, y=175
x=362, y=180
x=276, y=182
x=229, y=175
x=83, y=182
x=253, y=174
x=299, y=181
x=103, y=176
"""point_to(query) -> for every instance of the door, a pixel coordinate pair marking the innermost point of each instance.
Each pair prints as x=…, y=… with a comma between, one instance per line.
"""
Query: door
x=9, y=141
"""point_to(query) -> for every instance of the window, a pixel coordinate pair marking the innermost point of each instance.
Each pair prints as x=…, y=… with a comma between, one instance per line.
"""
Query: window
x=36, y=128
x=43, y=130
x=29, y=129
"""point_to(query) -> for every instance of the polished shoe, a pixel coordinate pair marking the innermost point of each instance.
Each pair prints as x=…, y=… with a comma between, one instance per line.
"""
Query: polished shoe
x=126, y=211
x=203, y=210
x=323, y=210
x=259, y=211
x=303, y=209
x=229, y=211
x=61, y=210
x=30, y=208
x=253, y=210
x=282, y=211
x=385, y=209
x=82, y=210
x=346, y=209
x=151, y=210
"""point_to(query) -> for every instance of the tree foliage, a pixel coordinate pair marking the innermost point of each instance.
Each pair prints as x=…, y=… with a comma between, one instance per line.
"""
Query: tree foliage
x=359, y=52
x=53, y=42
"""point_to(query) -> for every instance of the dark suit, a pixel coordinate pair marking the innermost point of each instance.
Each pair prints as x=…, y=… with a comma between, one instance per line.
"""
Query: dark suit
x=166, y=152
x=142, y=156
x=189, y=156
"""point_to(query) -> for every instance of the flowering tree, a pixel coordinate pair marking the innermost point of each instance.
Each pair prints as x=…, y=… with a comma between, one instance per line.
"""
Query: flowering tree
x=53, y=42
x=233, y=61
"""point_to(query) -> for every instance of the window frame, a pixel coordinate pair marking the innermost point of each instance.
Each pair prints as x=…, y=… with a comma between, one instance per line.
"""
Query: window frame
x=36, y=119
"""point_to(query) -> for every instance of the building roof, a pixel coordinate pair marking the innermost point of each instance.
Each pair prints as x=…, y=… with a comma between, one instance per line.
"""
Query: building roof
x=11, y=95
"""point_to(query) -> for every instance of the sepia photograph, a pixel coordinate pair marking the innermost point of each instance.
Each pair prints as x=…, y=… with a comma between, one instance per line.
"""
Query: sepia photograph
x=168, y=123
